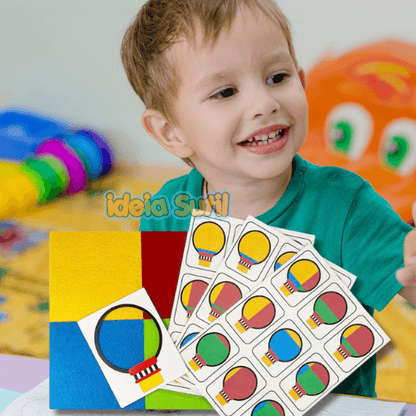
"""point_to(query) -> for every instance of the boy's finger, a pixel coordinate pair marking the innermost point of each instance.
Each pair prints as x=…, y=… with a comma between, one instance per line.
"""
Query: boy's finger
x=407, y=275
x=410, y=247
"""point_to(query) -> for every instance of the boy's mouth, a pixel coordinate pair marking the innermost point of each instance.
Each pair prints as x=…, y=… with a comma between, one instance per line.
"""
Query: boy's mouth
x=264, y=139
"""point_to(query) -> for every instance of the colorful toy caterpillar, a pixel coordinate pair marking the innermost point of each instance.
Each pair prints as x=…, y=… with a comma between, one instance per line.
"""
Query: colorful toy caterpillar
x=60, y=165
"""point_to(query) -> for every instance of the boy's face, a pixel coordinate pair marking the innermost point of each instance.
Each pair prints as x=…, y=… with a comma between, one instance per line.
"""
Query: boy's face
x=241, y=107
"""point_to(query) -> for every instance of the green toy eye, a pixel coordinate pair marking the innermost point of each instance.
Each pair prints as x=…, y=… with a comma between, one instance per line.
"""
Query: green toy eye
x=398, y=152
x=349, y=128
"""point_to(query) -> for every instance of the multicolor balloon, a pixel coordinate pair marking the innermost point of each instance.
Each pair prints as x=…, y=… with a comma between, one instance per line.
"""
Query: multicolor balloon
x=302, y=276
x=283, y=258
x=268, y=408
x=329, y=309
x=239, y=384
x=221, y=298
x=253, y=248
x=211, y=350
x=311, y=379
x=356, y=341
x=284, y=345
x=208, y=240
x=191, y=295
x=258, y=312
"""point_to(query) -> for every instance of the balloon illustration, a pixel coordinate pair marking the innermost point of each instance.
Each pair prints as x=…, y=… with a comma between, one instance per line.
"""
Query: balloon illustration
x=146, y=373
x=311, y=379
x=303, y=276
x=188, y=338
x=268, y=408
x=191, y=294
x=283, y=259
x=356, y=341
x=211, y=350
x=221, y=298
x=239, y=384
x=253, y=248
x=208, y=240
x=258, y=312
x=329, y=308
x=284, y=345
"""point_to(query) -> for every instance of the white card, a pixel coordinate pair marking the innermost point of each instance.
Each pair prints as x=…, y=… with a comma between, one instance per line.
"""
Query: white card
x=143, y=377
x=288, y=342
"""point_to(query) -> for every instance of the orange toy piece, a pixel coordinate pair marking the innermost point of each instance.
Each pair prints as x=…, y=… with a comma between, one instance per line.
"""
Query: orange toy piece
x=362, y=117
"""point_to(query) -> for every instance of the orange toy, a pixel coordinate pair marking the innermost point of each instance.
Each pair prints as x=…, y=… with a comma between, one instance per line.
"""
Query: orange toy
x=362, y=117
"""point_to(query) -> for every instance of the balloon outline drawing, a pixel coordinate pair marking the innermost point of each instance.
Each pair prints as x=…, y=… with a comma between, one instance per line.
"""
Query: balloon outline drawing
x=239, y=384
x=358, y=342
x=299, y=283
x=316, y=378
x=257, y=313
x=212, y=350
x=191, y=294
x=146, y=373
x=222, y=296
x=208, y=240
x=329, y=309
x=285, y=345
x=253, y=248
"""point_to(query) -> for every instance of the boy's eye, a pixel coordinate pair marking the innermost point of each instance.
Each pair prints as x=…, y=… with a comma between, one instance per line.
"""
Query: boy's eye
x=225, y=93
x=277, y=78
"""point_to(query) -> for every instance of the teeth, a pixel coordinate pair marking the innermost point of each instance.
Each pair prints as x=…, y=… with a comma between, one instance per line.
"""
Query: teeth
x=265, y=139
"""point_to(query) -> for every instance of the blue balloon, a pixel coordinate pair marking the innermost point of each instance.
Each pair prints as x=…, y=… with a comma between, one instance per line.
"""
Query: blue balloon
x=286, y=344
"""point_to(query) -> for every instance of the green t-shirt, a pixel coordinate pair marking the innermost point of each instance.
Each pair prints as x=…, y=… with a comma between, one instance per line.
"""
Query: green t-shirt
x=354, y=228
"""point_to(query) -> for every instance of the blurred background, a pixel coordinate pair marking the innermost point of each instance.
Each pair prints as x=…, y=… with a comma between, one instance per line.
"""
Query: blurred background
x=63, y=58
x=60, y=63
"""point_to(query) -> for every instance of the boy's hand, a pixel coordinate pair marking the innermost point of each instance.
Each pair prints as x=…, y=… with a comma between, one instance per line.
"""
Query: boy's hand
x=407, y=275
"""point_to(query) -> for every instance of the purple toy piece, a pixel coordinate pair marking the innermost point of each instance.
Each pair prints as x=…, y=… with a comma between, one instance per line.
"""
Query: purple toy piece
x=76, y=170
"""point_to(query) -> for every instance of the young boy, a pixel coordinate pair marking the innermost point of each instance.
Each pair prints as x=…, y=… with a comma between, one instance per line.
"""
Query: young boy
x=224, y=92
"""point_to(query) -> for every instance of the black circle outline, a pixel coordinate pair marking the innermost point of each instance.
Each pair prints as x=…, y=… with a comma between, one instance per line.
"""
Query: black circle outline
x=265, y=297
x=319, y=271
x=260, y=232
x=315, y=362
x=346, y=306
x=215, y=333
x=301, y=342
x=98, y=327
x=209, y=222
x=192, y=281
x=248, y=368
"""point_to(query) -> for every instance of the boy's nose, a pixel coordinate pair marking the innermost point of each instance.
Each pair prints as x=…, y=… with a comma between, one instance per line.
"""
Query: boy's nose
x=263, y=103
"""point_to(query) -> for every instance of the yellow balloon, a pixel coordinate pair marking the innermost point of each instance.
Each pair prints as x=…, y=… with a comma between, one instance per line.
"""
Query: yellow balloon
x=254, y=245
x=209, y=236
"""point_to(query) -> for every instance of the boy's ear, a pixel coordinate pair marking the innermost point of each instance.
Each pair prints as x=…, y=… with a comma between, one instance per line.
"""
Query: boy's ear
x=302, y=77
x=165, y=134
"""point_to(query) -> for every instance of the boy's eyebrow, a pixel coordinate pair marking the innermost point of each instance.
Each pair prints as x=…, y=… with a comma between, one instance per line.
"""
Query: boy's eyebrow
x=213, y=78
x=283, y=57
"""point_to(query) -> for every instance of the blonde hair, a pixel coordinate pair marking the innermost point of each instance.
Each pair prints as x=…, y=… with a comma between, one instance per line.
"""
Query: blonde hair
x=161, y=23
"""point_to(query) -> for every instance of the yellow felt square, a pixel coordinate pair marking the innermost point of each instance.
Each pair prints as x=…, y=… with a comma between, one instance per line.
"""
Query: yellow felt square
x=90, y=270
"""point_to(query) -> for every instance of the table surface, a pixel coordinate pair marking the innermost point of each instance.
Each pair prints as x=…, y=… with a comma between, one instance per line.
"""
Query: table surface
x=21, y=374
